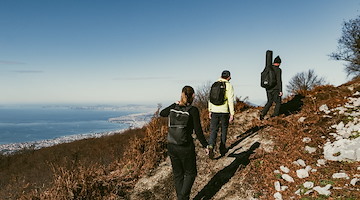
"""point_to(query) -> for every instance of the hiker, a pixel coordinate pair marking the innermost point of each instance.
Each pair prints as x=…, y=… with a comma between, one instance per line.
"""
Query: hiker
x=221, y=114
x=274, y=93
x=183, y=120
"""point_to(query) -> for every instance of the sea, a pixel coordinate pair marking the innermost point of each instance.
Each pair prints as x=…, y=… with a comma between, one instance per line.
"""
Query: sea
x=39, y=124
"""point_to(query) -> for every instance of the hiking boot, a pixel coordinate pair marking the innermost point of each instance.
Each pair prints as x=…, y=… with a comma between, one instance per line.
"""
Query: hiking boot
x=223, y=150
x=211, y=151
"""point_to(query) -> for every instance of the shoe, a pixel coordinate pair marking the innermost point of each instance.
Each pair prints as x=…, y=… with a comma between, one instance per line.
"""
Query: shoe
x=223, y=152
x=211, y=151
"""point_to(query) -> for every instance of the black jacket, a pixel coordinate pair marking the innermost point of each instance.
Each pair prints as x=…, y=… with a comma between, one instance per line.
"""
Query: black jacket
x=193, y=124
x=278, y=85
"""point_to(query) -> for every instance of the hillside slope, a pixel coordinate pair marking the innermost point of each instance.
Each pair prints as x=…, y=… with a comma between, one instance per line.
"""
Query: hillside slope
x=311, y=151
x=278, y=158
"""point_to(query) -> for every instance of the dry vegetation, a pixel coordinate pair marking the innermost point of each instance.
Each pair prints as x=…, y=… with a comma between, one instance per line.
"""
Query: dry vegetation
x=109, y=167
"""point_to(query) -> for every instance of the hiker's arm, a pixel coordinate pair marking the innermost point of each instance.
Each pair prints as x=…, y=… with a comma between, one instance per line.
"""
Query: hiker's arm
x=279, y=81
x=166, y=111
x=197, y=127
x=231, y=99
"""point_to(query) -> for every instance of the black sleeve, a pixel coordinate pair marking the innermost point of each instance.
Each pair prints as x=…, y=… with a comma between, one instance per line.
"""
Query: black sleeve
x=166, y=111
x=197, y=126
x=279, y=81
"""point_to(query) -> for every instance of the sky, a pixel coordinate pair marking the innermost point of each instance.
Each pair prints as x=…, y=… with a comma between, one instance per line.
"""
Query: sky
x=145, y=51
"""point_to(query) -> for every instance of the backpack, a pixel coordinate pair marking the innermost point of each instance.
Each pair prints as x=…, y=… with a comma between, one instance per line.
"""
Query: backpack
x=217, y=93
x=178, y=120
x=268, y=77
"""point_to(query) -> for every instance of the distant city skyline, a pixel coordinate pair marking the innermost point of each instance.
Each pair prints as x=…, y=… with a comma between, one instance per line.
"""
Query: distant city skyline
x=144, y=52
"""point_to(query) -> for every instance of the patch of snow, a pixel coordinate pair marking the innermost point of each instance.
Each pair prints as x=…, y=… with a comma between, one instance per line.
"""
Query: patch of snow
x=277, y=186
x=287, y=178
x=340, y=175
x=306, y=139
x=284, y=169
x=324, y=108
x=323, y=190
x=302, y=173
x=301, y=119
x=310, y=149
x=278, y=196
x=308, y=184
x=354, y=181
x=300, y=162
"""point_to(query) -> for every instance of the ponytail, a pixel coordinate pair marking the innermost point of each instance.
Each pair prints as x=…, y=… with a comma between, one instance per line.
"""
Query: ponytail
x=187, y=96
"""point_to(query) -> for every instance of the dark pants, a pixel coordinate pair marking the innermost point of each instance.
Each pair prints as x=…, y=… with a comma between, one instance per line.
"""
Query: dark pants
x=216, y=120
x=183, y=161
x=272, y=96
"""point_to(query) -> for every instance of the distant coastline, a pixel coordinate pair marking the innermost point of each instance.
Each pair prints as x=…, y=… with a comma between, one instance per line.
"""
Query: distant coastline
x=134, y=121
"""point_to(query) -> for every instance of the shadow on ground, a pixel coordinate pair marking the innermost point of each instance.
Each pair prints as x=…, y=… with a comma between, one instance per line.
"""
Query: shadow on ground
x=292, y=106
x=224, y=175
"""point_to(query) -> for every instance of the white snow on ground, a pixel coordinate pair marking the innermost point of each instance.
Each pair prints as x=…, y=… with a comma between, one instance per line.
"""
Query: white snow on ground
x=346, y=147
x=134, y=121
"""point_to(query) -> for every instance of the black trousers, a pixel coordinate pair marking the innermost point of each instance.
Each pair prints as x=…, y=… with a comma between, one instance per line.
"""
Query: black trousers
x=216, y=120
x=272, y=96
x=183, y=162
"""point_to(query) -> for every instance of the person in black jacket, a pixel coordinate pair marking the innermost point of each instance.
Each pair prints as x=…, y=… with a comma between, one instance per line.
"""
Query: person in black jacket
x=183, y=156
x=274, y=94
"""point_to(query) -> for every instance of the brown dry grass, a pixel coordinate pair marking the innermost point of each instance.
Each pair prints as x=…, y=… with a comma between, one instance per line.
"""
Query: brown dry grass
x=109, y=167
x=287, y=133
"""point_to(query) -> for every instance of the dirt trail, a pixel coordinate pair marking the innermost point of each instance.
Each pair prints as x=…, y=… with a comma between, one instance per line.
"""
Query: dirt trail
x=219, y=178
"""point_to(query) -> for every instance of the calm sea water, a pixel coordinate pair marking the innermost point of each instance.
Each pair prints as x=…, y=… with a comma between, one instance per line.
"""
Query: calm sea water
x=26, y=124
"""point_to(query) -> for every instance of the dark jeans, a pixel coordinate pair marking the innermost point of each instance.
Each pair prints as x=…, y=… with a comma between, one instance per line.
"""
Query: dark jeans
x=272, y=96
x=183, y=161
x=216, y=120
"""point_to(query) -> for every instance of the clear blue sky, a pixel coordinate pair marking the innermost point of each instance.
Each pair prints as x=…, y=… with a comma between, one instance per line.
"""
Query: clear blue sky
x=102, y=51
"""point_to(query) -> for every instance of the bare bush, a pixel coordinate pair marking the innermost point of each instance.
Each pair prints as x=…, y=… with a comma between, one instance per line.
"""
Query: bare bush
x=202, y=95
x=304, y=81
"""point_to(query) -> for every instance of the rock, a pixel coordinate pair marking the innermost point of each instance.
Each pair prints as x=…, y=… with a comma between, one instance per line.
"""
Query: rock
x=323, y=190
x=287, y=178
x=302, y=173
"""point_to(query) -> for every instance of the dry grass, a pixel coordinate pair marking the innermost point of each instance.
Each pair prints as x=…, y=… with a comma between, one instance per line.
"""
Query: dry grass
x=287, y=133
x=109, y=167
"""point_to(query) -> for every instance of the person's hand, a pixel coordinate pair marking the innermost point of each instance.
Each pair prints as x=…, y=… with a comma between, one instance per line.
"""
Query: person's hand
x=209, y=115
x=231, y=119
x=207, y=151
x=280, y=94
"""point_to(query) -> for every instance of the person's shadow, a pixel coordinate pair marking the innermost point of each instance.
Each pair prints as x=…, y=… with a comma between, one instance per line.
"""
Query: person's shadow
x=224, y=175
x=292, y=106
